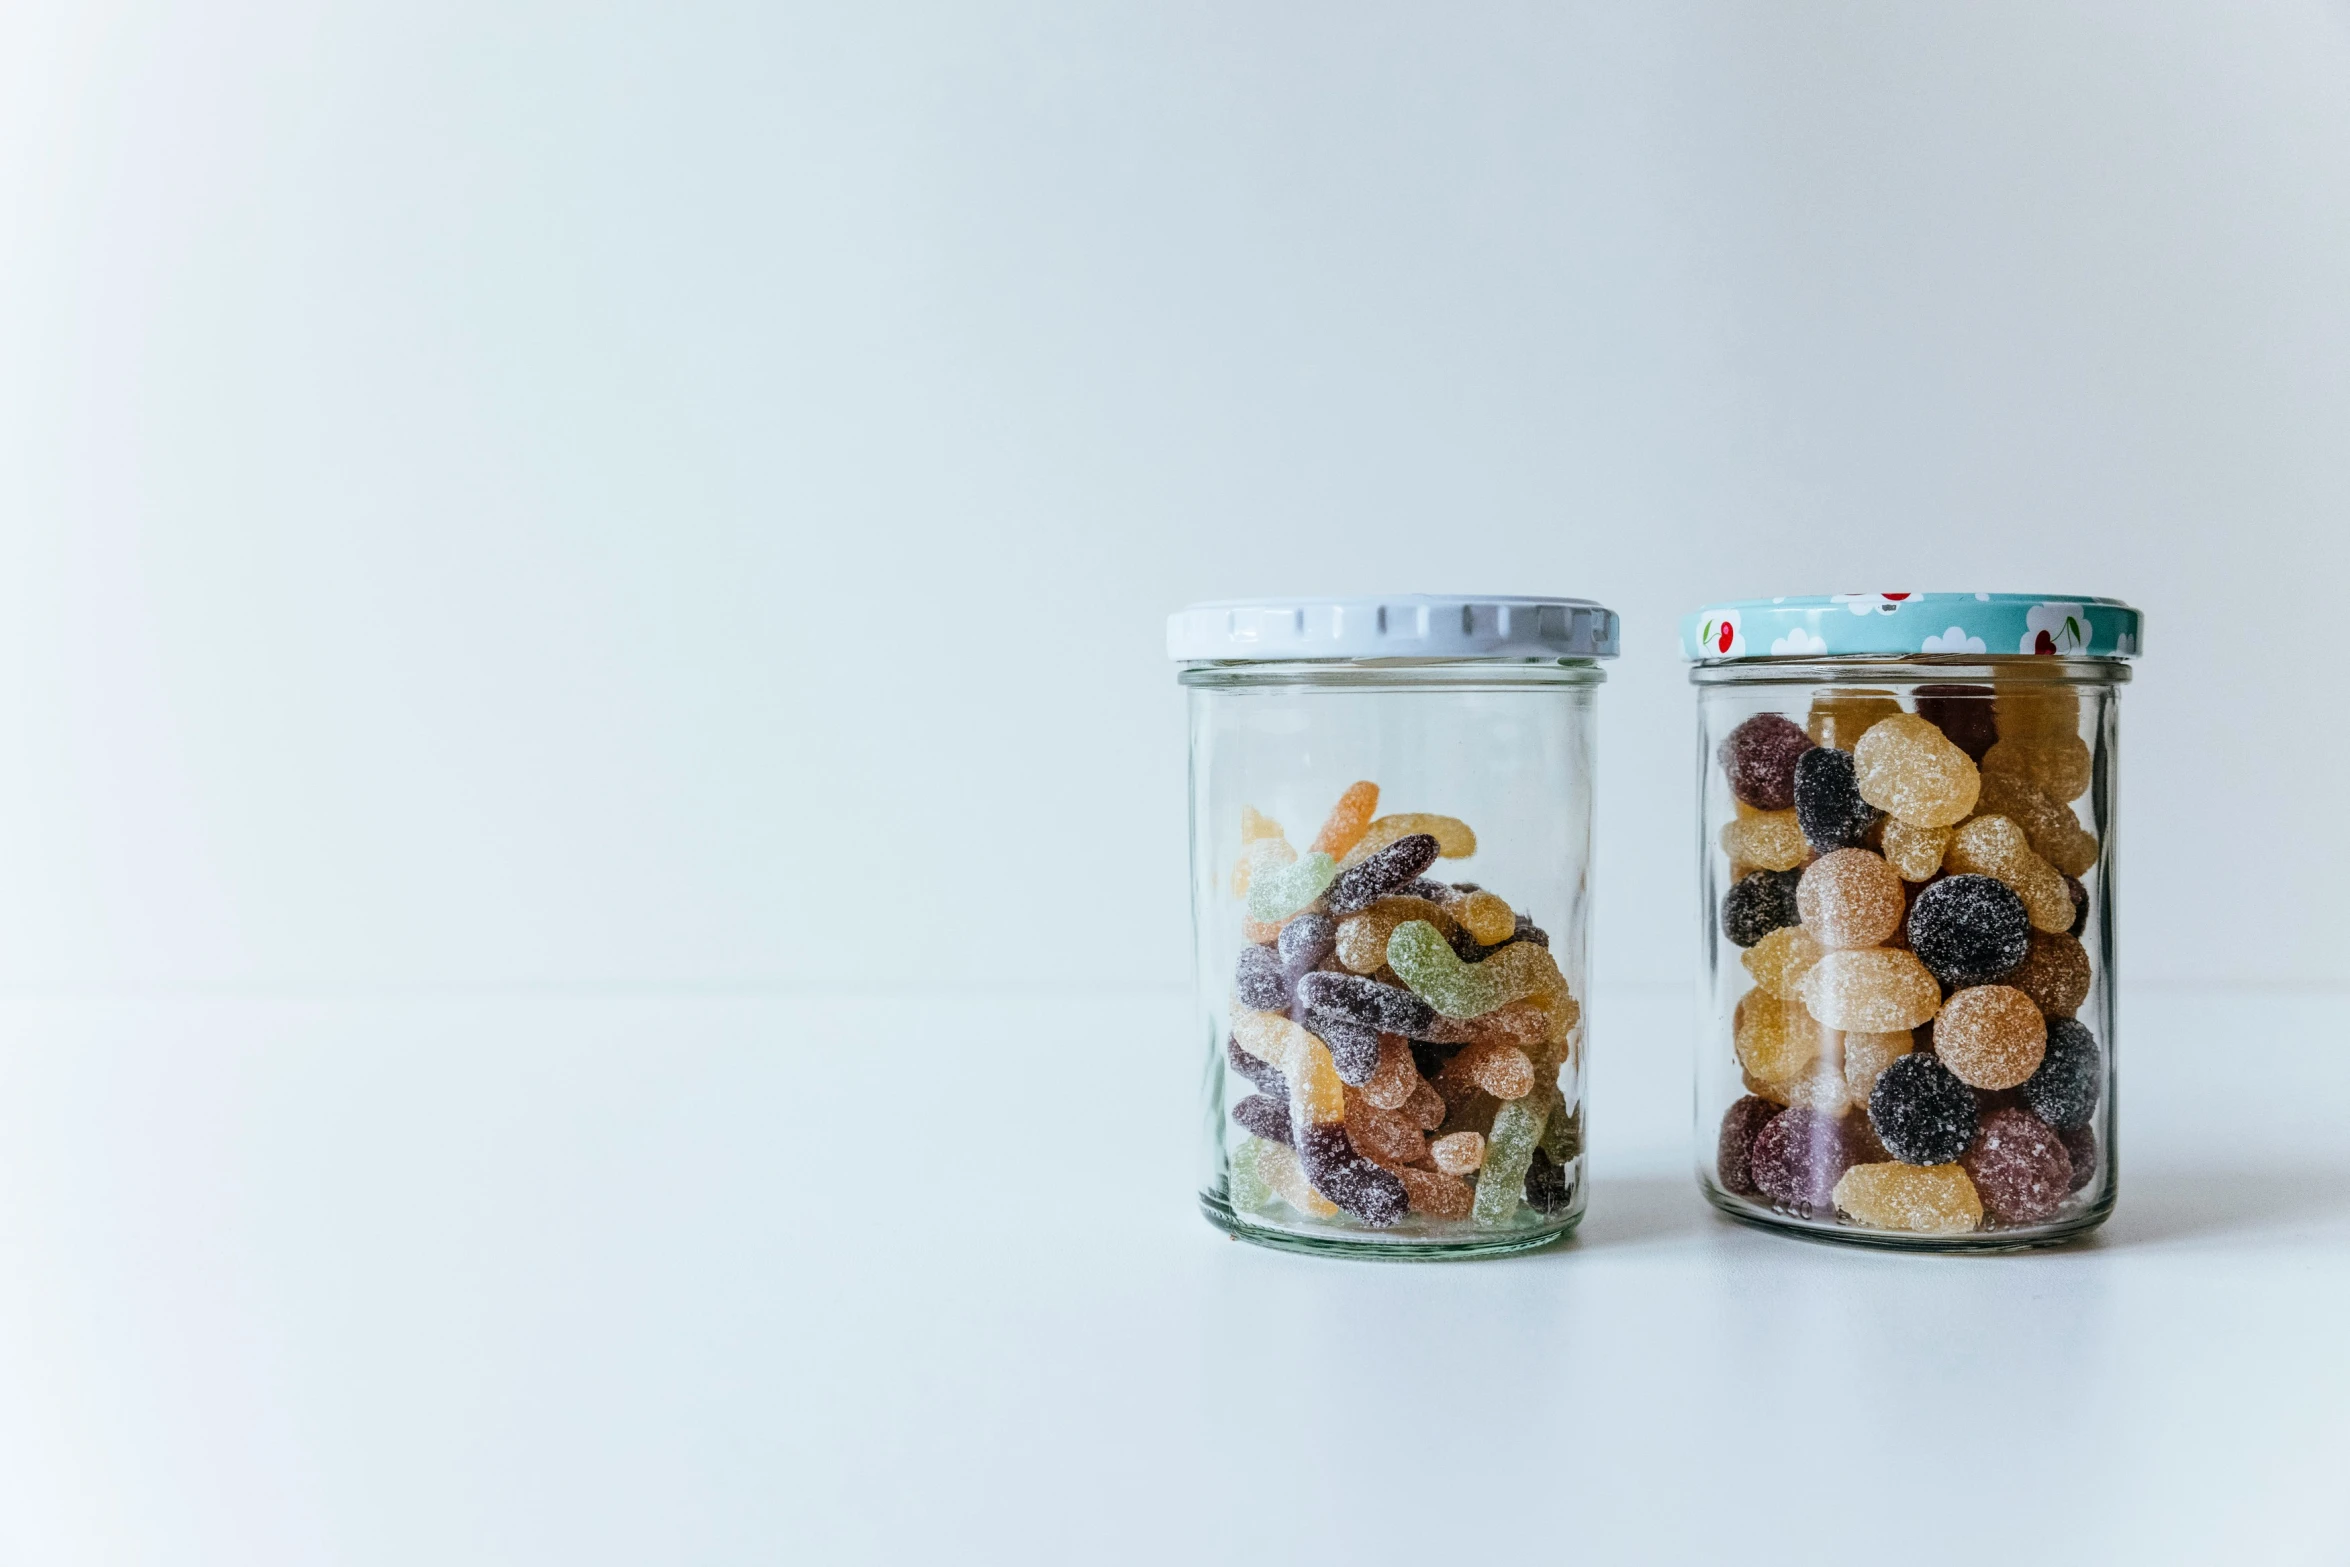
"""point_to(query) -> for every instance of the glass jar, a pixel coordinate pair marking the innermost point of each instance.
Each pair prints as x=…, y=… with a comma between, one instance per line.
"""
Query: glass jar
x=1394, y=1051
x=1906, y=1025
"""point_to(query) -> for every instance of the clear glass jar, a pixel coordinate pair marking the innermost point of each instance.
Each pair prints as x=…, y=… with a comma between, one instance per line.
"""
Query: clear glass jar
x=1906, y=1027
x=1390, y=858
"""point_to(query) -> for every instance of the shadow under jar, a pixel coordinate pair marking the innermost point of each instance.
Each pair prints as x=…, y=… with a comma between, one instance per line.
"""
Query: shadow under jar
x=1390, y=858
x=1906, y=1020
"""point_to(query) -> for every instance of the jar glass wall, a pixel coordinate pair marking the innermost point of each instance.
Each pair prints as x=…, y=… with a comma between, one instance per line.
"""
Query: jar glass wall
x=1906, y=1031
x=1390, y=874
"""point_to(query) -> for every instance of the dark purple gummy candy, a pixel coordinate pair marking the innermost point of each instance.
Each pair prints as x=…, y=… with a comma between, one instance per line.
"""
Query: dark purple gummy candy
x=1546, y=1185
x=1828, y=806
x=1760, y=756
x=2081, y=1143
x=1969, y=930
x=1264, y=1074
x=1304, y=942
x=1796, y=1160
x=1962, y=713
x=1431, y=1059
x=1739, y=1124
x=1266, y=1117
x=1921, y=1112
x=2020, y=1168
x=1761, y=903
x=1334, y=1169
x=2063, y=1092
x=1354, y=1046
x=1365, y=1000
x=2080, y=896
x=1388, y=871
x=1258, y=981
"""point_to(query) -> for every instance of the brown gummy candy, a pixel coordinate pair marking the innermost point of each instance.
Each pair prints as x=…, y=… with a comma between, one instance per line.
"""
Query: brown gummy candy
x=1963, y=713
x=1990, y=1036
x=2054, y=973
x=1435, y=1194
x=1839, y=717
x=1851, y=898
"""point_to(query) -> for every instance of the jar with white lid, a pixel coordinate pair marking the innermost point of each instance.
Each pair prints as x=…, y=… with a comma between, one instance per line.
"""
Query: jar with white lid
x=1391, y=810
x=1906, y=833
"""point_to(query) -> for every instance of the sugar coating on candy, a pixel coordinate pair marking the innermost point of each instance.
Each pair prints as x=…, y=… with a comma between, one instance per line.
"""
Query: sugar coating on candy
x=1484, y=916
x=1362, y=938
x=1521, y=1023
x=1818, y=1084
x=2080, y=896
x=1265, y=1117
x=1865, y=1058
x=1276, y=1164
x=1353, y=1046
x=1391, y=1082
x=1936, y=1200
x=2071, y=1075
x=1504, y=1071
x=1562, y=1136
x=1369, y=1194
x=1768, y=839
x=1759, y=758
x=1509, y=1149
x=1454, y=839
x=1426, y=1108
x=1920, y=1112
x=1850, y=898
x=1839, y=717
x=1277, y=892
x=2081, y=1143
x=1779, y=961
x=1775, y=1039
x=1304, y=942
x=2060, y=768
x=1459, y=1154
x=1388, y=871
x=1258, y=981
x=1759, y=904
x=1255, y=824
x=2054, y=973
x=1435, y=1194
x=1872, y=990
x=1389, y=1008
x=1969, y=930
x=1740, y=1123
x=2020, y=1168
x=1347, y=819
x=1546, y=1185
x=1828, y=808
x=2056, y=834
x=1247, y=1189
x=1964, y=715
x=1906, y=767
x=1258, y=855
x=1991, y=1036
x=1796, y=1158
x=1382, y=1136
x=1423, y=960
x=1994, y=846
x=1266, y=1075
x=1915, y=853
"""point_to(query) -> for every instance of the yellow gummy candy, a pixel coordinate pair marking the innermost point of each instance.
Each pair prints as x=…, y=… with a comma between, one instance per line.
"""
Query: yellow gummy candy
x=1454, y=840
x=1779, y=961
x=1254, y=824
x=2056, y=833
x=1839, y=718
x=1768, y=840
x=1915, y=853
x=1933, y=1199
x=1362, y=938
x=1874, y=990
x=1775, y=1039
x=1277, y=1166
x=1483, y=916
x=1865, y=1058
x=1909, y=768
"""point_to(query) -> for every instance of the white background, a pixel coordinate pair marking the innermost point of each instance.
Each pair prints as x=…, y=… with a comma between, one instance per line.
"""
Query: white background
x=581, y=588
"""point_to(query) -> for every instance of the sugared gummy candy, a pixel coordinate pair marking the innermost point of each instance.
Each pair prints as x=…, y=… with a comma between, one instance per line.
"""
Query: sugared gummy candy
x=1850, y=898
x=1969, y=930
x=1759, y=904
x=1914, y=852
x=1994, y=846
x=1760, y=756
x=1775, y=1039
x=2054, y=973
x=1739, y=1126
x=2019, y=1166
x=1436, y=1195
x=1509, y=1149
x=2059, y=768
x=1266, y=1075
x=1874, y=990
x=1920, y=1112
x=1258, y=855
x=1362, y=938
x=2081, y=1143
x=1779, y=961
x=1391, y=1082
x=2080, y=896
x=1386, y=1008
x=2056, y=834
x=1347, y=819
x=1769, y=840
x=1838, y=718
x=1277, y=892
x=2064, y=1091
x=1865, y=1058
x=1546, y=1185
x=1828, y=806
x=1459, y=1154
x=1266, y=1117
x=1258, y=981
x=1423, y=960
x=1796, y=1158
x=1453, y=838
x=1388, y=871
x=1938, y=1200
x=1382, y=1136
x=1963, y=714
x=1904, y=766
x=1990, y=1036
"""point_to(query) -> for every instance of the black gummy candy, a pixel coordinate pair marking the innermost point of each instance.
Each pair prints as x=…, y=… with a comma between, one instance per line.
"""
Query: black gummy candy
x=1264, y=1074
x=1546, y=1185
x=1348, y=1179
x=1258, y=980
x=1391, y=869
x=1962, y=713
x=2063, y=1092
x=1266, y=1117
x=1921, y=1112
x=1828, y=806
x=1969, y=930
x=1761, y=903
x=1388, y=1007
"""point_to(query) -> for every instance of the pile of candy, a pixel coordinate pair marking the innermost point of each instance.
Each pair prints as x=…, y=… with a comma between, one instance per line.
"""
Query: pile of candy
x=1904, y=888
x=1405, y=1036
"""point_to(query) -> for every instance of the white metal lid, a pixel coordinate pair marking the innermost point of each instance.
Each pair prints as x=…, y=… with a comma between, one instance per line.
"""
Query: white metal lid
x=1400, y=625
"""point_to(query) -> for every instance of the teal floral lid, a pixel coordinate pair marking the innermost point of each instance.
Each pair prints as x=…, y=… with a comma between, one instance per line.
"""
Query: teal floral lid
x=1891, y=624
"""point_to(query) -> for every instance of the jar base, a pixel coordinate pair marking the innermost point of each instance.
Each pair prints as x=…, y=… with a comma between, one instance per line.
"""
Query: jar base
x=1401, y=1248
x=2066, y=1231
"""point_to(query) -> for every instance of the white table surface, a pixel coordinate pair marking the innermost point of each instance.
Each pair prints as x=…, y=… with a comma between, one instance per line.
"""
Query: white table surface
x=660, y=1279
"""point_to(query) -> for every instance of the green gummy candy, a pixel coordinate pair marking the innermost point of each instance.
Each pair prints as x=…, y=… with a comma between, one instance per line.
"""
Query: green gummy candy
x=1424, y=960
x=1562, y=1138
x=1280, y=891
x=1509, y=1149
x=1251, y=1192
